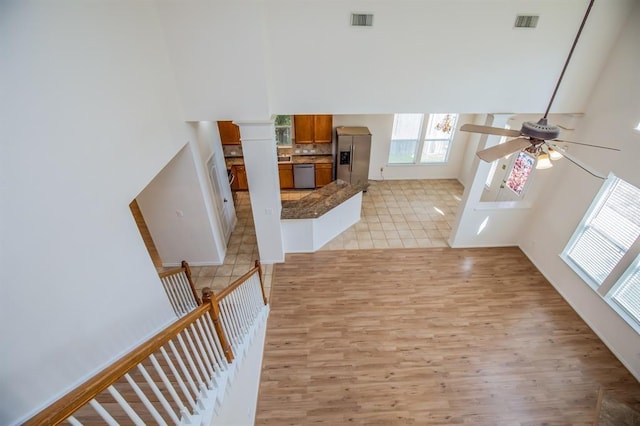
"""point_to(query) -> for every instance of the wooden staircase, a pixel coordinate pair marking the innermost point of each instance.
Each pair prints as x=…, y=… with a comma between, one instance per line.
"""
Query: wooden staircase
x=183, y=373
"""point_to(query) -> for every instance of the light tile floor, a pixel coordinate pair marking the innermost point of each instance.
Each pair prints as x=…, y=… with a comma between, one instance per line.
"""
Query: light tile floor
x=395, y=214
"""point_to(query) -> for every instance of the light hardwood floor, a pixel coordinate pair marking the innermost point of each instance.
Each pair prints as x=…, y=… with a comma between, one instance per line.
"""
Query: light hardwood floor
x=428, y=336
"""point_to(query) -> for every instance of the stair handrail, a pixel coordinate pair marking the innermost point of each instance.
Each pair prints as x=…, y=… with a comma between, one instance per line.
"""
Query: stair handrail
x=257, y=268
x=211, y=305
x=64, y=407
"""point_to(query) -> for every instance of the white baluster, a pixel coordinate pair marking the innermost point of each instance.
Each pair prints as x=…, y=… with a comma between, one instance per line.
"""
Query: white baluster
x=185, y=290
x=176, y=287
x=170, y=388
x=207, y=343
x=236, y=314
x=135, y=418
x=174, y=297
x=103, y=413
x=72, y=420
x=228, y=324
x=158, y=393
x=192, y=365
x=197, y=356
x=211, y=331
x=148, y=404
x=165, y=284
x=175, y=373
x=183, y=368
x=245, y=303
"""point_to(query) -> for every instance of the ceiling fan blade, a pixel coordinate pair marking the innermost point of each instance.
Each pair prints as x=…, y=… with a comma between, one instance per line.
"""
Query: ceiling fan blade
x=577, y=162
x=585, y=144
x=488, y=130
x=498, y=151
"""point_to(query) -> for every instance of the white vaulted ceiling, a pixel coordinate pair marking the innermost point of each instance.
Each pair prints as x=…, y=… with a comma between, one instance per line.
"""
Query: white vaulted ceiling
x=253, y=58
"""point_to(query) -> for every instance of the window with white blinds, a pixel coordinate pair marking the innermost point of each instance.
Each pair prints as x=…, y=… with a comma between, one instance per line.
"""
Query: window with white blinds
x=626, y=293
x=611, y=226
x=607, y=240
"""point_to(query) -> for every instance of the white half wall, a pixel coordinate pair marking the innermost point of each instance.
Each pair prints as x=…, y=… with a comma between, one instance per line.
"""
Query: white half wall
x=177, y=216
x=309, y=235
x=612, y=113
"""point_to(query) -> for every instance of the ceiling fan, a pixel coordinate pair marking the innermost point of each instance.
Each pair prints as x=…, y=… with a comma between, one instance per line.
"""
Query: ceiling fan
x=536, y=138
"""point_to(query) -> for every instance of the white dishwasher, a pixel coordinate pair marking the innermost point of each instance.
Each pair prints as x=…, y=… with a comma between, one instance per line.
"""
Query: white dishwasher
x=304, y=176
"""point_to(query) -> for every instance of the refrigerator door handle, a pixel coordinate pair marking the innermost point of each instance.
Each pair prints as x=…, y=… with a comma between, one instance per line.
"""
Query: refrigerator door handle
x=353, y=149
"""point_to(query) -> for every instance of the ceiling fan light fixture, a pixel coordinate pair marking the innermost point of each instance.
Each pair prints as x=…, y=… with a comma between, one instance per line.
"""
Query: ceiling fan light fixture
x=554, y=155
x=543, y=162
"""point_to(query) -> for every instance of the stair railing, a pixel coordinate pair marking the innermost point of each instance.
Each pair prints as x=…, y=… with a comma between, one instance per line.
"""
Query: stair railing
x=179, y=376
x=240, y=305
x=180, y=289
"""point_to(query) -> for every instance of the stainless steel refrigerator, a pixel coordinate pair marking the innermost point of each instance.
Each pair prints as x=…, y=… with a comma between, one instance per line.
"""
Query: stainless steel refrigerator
x=354, y=149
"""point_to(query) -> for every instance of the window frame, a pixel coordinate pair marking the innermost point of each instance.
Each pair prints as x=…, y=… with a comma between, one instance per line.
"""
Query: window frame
x=422, y=140
x=626, y=265
x=290, y=127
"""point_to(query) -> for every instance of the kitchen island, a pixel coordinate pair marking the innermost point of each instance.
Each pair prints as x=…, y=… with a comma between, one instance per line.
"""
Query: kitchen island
x=314, y=220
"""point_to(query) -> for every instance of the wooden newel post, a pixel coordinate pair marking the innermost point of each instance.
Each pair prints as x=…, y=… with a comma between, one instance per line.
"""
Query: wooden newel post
x=187, y=271
x=264, y=296
x=214, y=312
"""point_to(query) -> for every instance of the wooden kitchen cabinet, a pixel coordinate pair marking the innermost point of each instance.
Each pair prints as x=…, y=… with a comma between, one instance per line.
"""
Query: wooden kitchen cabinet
x=323, y=128
x=285, y=171
x=324, y=174
x=229, y=133
x=313, y=128
x=303, y=128
x=240, y=181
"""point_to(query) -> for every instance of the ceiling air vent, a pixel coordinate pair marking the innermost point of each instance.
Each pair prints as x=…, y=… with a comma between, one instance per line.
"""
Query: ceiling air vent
x=362, y=20
x=526, y=21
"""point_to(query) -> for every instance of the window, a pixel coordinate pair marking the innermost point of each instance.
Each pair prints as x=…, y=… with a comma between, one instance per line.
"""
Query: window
x=520, y=172
x=606, y=243
x=611, y=227
x=626, y=293
x=421, y=138
x=283, y=129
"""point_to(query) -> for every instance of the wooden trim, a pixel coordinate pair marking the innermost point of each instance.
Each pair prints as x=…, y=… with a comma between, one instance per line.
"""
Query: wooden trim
x=172, y=271
x=147, y=238
x=264, y=296
x=209, y=298
x=187, y=271
x=224, y=293
x=67, y=405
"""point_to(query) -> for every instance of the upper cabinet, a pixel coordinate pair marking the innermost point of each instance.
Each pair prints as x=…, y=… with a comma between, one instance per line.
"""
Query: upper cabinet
x=229, y=133
x=313, y=128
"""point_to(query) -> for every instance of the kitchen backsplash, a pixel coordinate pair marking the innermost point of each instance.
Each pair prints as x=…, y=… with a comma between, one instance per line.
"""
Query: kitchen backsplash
x=301, y=149
x=311, y=149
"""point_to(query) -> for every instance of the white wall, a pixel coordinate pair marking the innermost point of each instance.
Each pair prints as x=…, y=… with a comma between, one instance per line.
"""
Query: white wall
x=381, y=125
x=612, y=112
x=434, y=55
x=218, y=52
x=89, y=115
x=176, y=214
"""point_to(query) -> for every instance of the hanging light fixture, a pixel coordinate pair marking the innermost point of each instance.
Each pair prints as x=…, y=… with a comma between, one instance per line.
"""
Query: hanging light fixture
x=543, y=161
x=554, y=154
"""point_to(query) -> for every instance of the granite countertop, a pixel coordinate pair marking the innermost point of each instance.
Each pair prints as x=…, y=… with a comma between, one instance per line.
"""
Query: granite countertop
x=320, y=201
x=295, y=159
